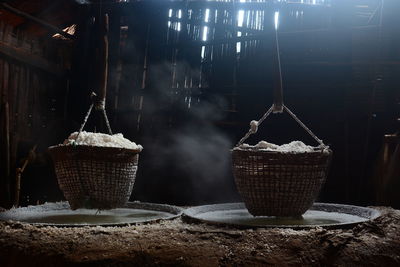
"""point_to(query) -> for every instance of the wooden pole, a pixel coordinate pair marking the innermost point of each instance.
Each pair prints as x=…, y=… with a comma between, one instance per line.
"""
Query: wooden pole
x=103, y=68
x=278, y=90
x=103, y=58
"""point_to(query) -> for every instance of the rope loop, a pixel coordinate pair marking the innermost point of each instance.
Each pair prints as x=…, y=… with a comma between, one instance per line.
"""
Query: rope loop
x=255, y=124
x=254, y=129
x=100, y=104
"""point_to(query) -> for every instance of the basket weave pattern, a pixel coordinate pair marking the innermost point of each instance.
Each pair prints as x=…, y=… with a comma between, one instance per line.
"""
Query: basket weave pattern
x=279, y=184
x=95, y=177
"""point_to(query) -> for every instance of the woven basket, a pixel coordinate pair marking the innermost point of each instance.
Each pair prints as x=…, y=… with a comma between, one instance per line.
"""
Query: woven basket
x=279, y=184
x=95, y=177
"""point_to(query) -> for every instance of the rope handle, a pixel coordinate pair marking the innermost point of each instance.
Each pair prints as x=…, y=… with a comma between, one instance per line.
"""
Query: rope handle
x=254, y=126
x=103, y=111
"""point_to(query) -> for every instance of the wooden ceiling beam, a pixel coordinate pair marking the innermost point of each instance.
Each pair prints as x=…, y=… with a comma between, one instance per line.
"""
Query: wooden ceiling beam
x=48, y=26
x=48, y=10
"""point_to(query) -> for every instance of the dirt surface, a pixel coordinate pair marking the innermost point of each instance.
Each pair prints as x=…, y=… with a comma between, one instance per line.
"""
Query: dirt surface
x=177, y=243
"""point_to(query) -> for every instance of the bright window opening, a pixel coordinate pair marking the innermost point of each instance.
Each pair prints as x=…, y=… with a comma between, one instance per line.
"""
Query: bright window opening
x=276, y=20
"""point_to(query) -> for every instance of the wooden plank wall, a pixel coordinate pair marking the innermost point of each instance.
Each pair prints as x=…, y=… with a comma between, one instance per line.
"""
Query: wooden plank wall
x=33, y=83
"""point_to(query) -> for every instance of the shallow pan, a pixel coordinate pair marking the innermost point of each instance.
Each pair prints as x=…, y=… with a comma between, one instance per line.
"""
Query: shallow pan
x=60, y=214
x=320, y=214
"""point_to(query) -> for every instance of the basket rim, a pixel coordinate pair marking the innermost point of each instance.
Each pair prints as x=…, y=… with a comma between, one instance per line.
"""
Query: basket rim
x=61, y=146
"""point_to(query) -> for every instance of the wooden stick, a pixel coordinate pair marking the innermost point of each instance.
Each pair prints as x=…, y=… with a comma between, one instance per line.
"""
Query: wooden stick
x=17, y=187
x=19, y=172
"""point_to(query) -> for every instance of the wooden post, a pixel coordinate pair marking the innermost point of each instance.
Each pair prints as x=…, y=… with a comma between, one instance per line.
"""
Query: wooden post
x=7, y=148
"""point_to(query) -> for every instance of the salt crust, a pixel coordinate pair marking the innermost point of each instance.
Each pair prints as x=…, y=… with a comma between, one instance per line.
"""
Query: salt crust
x=292, y=147
x=101, y=140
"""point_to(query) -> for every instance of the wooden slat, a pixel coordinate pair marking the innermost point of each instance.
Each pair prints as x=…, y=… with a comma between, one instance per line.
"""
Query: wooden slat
x=33, y=60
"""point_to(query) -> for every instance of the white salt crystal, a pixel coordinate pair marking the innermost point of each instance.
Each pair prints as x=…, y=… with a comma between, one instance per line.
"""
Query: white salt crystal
x=292, y=147
x=245, y=146
x=102, y=140
x=295, y=146
x=266, y=145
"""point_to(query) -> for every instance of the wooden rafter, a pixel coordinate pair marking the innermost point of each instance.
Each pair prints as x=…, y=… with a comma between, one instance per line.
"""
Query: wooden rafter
x=48, y=26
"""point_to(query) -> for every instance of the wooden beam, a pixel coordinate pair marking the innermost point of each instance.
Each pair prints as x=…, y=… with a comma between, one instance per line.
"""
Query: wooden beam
x=48, y=26
x=35, y=61
x=49, y=9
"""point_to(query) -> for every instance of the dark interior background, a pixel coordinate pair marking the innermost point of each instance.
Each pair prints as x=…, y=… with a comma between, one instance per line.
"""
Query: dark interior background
x=187, y=77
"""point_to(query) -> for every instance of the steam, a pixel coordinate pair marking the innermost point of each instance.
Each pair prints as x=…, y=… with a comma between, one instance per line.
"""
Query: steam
x=201, y=153
x=186, y=156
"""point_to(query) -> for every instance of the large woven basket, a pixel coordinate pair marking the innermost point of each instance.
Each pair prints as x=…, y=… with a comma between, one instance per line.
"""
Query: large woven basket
x=279, y=184
x=95, y=177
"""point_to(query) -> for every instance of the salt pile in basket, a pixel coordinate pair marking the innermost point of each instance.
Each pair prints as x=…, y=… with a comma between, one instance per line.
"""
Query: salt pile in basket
x=292, y=147
x=101, y=140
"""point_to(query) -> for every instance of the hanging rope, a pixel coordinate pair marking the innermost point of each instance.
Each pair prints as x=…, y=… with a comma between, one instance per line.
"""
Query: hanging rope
x=305, y=127
x=254, y=126
x=85, y=120
x=107, y=122
x=253, y=129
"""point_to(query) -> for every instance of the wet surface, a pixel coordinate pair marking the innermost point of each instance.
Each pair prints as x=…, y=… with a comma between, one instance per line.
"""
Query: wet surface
x=59, y=214
x=319, y=215
x=85, y=217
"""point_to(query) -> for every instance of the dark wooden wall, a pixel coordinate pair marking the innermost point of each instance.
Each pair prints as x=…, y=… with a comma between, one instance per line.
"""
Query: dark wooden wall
x=33, y=89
